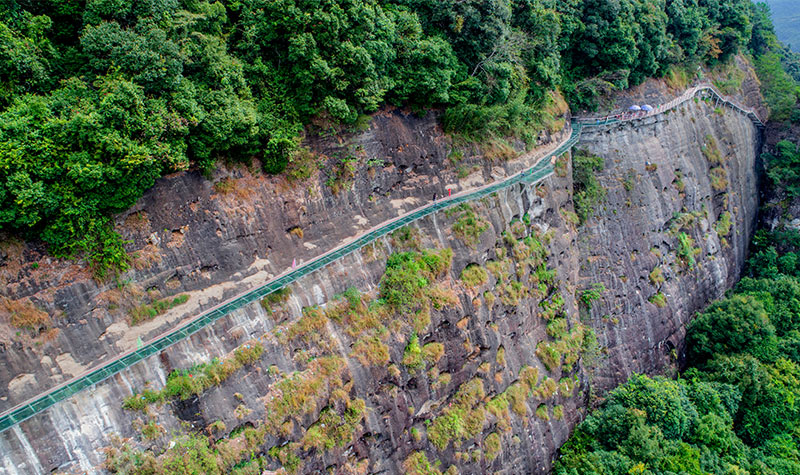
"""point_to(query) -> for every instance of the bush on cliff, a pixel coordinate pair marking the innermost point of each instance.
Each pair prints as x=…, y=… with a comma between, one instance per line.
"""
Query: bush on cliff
x=99, y=99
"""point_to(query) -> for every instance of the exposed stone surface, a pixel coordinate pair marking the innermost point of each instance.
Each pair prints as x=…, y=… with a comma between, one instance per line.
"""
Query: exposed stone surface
x=214, y=245
x=636, y=230
x=187, y=237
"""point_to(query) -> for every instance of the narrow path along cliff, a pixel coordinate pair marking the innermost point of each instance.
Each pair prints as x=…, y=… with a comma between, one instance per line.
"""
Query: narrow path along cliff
x=542, y=169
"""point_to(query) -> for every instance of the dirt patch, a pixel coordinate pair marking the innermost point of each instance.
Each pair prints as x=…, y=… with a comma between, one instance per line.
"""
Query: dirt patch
x=146, y=257
x=68, y=365
x=138, y=222
x=233, y=190
x=18, y=385
x=177, y=238
x=10, y=259
x=24, y=315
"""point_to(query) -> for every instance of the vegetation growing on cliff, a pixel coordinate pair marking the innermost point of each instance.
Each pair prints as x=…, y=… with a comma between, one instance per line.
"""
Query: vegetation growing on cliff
x=588, y=191
x=313, y=414
x=98, y=99
x=183, y=384
x=733, y=411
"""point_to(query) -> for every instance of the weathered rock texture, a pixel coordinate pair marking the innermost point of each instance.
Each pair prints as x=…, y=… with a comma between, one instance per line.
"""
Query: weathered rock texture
x=215, y=239
x=212, y=245
x=659, y=183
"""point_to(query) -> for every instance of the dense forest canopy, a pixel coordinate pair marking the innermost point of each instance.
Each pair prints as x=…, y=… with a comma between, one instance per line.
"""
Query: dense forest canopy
x=735, y=410
x=99, y=98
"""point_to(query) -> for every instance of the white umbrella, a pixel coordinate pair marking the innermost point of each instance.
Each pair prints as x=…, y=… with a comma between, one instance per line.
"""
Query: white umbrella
x=634, y=108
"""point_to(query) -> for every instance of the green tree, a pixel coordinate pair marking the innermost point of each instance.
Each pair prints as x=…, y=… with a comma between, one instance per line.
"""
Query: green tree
x=735, y=325
x=769, y=392
x=665, y=402
x=143, y=53
x=783, y=168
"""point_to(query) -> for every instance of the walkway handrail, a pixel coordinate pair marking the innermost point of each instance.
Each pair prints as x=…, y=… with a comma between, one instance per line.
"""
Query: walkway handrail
x=540, y=170
x=537, y=172
x=625, y=116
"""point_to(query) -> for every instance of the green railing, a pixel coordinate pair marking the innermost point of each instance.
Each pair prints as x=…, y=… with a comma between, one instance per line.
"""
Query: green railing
x=542, y=169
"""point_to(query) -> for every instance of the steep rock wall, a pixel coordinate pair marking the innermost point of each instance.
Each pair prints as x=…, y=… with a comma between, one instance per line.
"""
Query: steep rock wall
x=619, y=247
x=213, y=239
x=691, y=172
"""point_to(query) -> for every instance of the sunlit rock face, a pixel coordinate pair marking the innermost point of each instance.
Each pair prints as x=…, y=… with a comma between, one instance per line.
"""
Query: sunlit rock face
x=508, y=359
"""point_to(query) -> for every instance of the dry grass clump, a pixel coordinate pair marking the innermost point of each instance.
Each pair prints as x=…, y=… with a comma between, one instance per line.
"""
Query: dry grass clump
x=24, y=315
x=474, y=276
x=719, y=178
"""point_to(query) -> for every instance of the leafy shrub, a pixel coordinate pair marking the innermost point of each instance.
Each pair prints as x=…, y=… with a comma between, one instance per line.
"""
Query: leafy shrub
x=719, y=330
x=278, y=297
x=474, y=276
x=463, y=419
x=783, y=168
x=658, y=299
x=719, y=178
x=412, y=355
x=492, y=446
x=276, y=155
x=184, y=384
x=657, y=276
x=469, y=226
x=723, y=224
x=146, y=312
x=417, y=463
x=408, y=275
x=587, y=190
x=686, y=251
x=587, y=296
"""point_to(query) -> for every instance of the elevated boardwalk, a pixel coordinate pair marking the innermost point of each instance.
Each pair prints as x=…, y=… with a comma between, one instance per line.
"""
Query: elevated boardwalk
x=542, y=169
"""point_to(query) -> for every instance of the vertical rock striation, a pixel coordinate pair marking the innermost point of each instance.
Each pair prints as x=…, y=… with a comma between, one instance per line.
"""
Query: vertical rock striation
x=512, y=352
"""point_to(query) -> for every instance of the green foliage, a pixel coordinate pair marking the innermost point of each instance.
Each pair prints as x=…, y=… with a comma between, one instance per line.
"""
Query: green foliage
x=335, y=430
x=712, y=152
x=657, y=276
x=686, y=251
x=659, y=300
x=190, y=455
x=469, y=225
x=492, y=446
x=279, y=297
x=733, y=411
x=723, y=224
x=98, y=99
x=409, y=274
x=463, y=419
x=587, y=296
x=783, y=168
x=146, y=312
x=587, y=190
x=412, y=355
x=417, y=463
x=779, y=89
x=474, y=276
x=184, y=384
x=739, y=324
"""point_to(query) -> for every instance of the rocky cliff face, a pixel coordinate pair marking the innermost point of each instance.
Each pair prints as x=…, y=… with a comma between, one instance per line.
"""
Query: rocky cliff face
x=682, y=201
x=212, y=239
x=504, y=360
